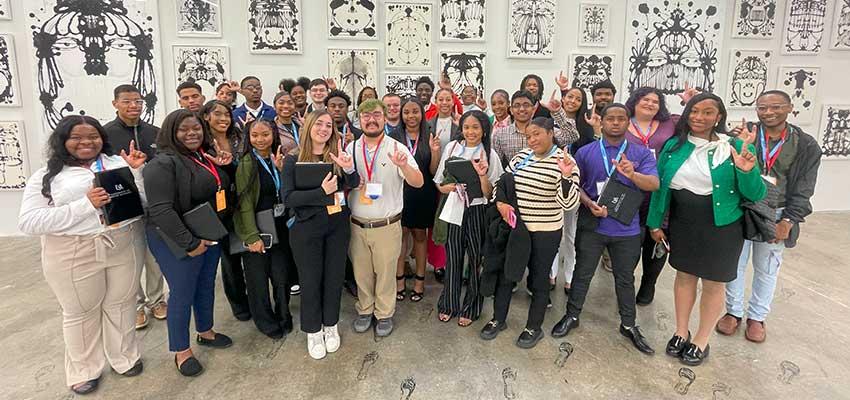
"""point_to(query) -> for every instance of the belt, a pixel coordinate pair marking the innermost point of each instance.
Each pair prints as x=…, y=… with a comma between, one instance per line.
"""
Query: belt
x=376, y=223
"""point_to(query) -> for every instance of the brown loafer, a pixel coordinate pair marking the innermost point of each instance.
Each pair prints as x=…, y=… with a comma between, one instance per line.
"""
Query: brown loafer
x=755, y=331
x=728, y=325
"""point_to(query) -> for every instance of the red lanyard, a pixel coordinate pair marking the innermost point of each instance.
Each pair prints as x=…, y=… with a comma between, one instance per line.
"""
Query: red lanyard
x=371, y=166
x=770, y=156
x=414, y=146
x=639, y=132
x=209, y=166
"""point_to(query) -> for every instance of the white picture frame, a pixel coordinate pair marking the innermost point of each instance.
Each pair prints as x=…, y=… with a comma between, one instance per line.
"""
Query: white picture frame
x=749, y=74
x=9, y=81
x=421, y=56
x=766, y=30
x=840, y=38
x=258, y=44
x=840, y=114
x=189, y=18
x=474, y=10
x=521, y=27
x=14, y=165
x=602, y=28
x=789, y=47
x=801, y=83
x=367, y=31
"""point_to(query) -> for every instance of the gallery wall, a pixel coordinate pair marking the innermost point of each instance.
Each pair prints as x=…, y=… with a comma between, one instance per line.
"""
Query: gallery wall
x=625, y=19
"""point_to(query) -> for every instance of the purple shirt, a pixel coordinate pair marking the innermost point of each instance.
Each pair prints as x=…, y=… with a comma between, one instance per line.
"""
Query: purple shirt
x=665, y=131
x=593, y=171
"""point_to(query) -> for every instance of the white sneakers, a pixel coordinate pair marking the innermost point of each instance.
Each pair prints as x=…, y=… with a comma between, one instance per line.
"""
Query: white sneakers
x=331, y=339
x=321, y=343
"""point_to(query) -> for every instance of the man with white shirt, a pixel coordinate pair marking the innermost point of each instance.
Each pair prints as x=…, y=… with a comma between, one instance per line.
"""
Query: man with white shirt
x=384, y=166
x=254, y=106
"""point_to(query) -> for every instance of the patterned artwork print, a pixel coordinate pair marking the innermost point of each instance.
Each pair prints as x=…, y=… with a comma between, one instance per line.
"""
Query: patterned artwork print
x=593, y=23
x=804, y=26
x=353, y=69
x=464, y=69
x=531, y=30
x=841, y=25
x=748, y=77
x=275, y=26
x=835, y=131
x=403, y=85
x=801, y=83
x=13, y=159
x=351, y=19
x=10, y=94
x=462, y=20
x=198, y=18
x=208, y=66
x=586, y=70
x=5, y=10
x=754, y=19
x=408, y=35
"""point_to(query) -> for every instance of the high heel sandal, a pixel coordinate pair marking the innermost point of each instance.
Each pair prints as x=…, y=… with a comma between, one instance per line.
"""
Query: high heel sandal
x=400, y=294
x=417, y=296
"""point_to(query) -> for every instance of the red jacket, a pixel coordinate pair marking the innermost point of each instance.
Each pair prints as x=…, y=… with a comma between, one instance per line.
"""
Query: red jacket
x=432, y=112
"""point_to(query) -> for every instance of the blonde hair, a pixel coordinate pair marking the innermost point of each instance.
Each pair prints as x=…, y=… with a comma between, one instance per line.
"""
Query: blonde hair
x=305, y=147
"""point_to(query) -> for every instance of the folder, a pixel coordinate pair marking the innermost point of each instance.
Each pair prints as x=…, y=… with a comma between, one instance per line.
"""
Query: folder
x=465, y=173
x=622, y=201
x=125, y=202
x=204, y=223
x=310, y=175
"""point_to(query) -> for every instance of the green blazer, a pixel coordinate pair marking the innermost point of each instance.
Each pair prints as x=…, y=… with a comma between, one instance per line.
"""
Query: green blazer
x=730, y=184
x=248, y=188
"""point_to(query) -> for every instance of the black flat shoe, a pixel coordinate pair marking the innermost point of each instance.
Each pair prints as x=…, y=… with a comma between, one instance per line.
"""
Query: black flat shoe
x=492, y=329
x=87, y=387
x=275, y=334
x=439, y=274
x=137, y=369
x=529, y=338
x=645, y=295
x=693, y=356
x=564, y=326
x=286, y=326
x=220, y=341
x=677, y=345
x=637, y=338
x=190, y=367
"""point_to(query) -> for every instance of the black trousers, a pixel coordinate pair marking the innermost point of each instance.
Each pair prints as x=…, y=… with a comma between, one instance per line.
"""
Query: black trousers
x=233, y=277
x=651, y=266
x=262, y=268
x=544, y=248
x=624, y=252
x=321, y=249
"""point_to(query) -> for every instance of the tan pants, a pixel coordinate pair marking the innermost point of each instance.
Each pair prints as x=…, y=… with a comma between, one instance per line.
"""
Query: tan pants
x=153, y=291
x=95, y=279
x=374, y=254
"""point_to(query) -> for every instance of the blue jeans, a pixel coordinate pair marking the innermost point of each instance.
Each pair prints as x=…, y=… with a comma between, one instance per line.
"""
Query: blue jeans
x=192, y=286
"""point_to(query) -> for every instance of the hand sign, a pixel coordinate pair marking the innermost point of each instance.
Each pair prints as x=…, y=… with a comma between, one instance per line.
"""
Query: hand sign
x=566, y=164
x=688, y=93
x=745, y=134
x=745, y=161
x=594, y=120
x=481, y=103
x=562, y=81
x=344, y=160
x=234, y=87
x=278, y=157
x=135, y=158
x=625, y=167
x=445, y=83
x=398, y=157
x=553, y=104
x=222, y=157
x=434, y=143
x=331, y=83
x=245, y=121
x=480, y=164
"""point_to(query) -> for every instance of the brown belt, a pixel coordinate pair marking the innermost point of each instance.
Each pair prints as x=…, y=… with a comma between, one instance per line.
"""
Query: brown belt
x=376, y=223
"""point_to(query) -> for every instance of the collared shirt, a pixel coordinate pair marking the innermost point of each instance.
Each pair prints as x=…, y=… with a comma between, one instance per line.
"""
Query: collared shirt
x=508, y=141
x=458, y=149
x=265, y=111
x=391, y=178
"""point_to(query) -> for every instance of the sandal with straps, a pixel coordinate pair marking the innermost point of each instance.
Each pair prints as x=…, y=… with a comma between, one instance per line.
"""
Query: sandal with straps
x=417, y=296
x=400, y=294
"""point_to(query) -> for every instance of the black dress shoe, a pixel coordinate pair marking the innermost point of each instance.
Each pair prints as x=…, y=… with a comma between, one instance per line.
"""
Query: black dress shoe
x=190, y=367
x=440, y=274
x=677, y=345
x=529, y=338
x=219, y=342
x=87, y=387
x=645, y=295
x=637, y=339
x=564, y=326
x=693, y=356
x=492, y=329
x=275, y=334
x=136, y=370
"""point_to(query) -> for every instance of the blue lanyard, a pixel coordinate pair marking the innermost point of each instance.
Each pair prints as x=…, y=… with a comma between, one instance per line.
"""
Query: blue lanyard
x=387, y=129
x=609, y=166
x=769, y=157
x=99, y=164
x=527, y=161
x=463, y=150
x=295, y=133
x=275, y=176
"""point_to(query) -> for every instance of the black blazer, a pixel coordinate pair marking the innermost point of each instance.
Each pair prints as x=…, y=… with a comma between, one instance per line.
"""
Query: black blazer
x=432, y=128
x=307, y=204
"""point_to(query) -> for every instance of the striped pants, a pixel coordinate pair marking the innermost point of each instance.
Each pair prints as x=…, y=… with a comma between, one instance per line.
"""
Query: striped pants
x=466, y=239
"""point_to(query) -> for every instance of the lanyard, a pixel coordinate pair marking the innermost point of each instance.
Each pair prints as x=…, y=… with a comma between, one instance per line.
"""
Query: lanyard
x=411, y=147
x=644, y=136
x=295, y=133
x=345, y=134
x=387, y=128
x=463, y=150
x=210, y=167
x=99, y=164
x=527, y=161
x=275, y=176
x=371, y=166
x=609, y=166
x=771, y=156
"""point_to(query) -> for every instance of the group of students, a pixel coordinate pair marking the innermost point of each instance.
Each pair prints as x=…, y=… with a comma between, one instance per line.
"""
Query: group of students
x=542, y=164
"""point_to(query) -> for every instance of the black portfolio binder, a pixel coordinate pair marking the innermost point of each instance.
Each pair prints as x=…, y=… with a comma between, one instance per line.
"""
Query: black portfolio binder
x=125, y=202
x=465, y=173
x=265, y=224
x=622, y=201
x=204, y=223
x=310, y=175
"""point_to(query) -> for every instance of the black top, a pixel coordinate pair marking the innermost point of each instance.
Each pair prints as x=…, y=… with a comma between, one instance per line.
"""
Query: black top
x=120, y=135
x=309, y=203
x=268, y=191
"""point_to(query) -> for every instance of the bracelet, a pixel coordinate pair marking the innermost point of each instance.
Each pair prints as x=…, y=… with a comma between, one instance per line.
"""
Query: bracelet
x=655, y=230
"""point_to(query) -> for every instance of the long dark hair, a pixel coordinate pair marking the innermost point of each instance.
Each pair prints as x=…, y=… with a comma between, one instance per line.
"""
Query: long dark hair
x=485, y=127
x=502, y=92
x=208, y=108
x=167, y=141
x=401, y=129
x=662, y=115
x=683, y=127
x=362, y=92
x=58, y=156
x=255, y=173
x=584, y=129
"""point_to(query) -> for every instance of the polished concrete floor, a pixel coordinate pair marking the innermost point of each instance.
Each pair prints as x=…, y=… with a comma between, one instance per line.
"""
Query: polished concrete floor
x=805, y=356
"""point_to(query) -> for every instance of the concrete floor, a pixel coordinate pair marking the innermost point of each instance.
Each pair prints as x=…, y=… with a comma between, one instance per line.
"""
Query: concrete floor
x=807, y=331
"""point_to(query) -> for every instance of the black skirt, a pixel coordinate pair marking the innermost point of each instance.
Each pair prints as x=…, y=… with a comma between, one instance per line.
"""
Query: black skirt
x=420, y=206
x=697, y=246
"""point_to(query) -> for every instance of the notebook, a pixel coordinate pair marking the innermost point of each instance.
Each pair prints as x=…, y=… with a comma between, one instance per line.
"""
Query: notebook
x=204, y=223
x=125, y=202
x=465, y=173
x=310, y=175
x=622, y=201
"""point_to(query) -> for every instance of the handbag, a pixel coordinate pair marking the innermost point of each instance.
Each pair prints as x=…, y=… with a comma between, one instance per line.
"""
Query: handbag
x=265, y=224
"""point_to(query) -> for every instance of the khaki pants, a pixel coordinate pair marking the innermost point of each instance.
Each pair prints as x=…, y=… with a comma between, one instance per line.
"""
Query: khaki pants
x=374, y=253
x=95, y=280
x=153, y=291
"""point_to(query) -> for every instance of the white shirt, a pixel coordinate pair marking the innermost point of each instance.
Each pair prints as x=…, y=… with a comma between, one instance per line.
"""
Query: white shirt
x=456, y=149
x=255, y=111
x=695, y=173
x=444, y=130
x=384, y=173
x=71, y=212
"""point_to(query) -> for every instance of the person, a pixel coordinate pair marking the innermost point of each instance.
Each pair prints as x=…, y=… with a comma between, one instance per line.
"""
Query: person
x=500, y=109
x=318, y=93
x=128, y=127
x=603, y=93
x=425, y=89
x=420, y=205
x=366, y=93
x=258, y=184
x=184, y=175
x=287, y=122
x=789, y=157
x=320, y=228
x=254, y=107
x=337, y=103
x=633, y=166
x=92, y=269
x=508, y=141
x=384, y=166
x=226, y=93
x=471, y=100
x=705, y=176
x=444, y=125
x=468, y=237
x=533, y=84
x=546, y=183
x=298, y=89
x=190, y=96
x=393, y=103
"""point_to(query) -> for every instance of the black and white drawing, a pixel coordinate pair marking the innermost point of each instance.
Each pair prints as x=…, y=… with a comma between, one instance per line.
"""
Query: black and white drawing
x=748, y=77
x=835, y=131
x=353, y=69
x=275, y=26
x=801, y=83
x=408, y=39
x=462, y=20
x=804, y=26
x=841, y=26
x=754, y=19
x=13, y=156
x=403, y=85
x=75, y=56
x=593, y=25
x=586, y=70
x=208, y=66
x=670, y=44
x=531, y=28
x=463, y=69
x=5, y=10
x=198, y=18
x=10, y=94
x=352, y=19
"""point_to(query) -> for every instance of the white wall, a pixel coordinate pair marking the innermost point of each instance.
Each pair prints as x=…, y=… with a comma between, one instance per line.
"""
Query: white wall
x=833, y=192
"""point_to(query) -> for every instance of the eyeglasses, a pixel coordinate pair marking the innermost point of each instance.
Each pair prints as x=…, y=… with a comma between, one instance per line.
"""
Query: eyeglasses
x=522, y=106
x=372, y=115
x=771, y=107
x=132, y=102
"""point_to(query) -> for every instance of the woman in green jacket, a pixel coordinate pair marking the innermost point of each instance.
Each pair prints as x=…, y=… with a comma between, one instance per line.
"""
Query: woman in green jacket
x=704, y=175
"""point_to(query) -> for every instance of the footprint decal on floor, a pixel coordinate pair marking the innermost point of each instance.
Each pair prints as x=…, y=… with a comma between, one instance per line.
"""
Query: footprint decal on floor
x=661, y=320
x=787, y=371
x=509, y=380
x=686, y=379
x=407, y=387
x=720, y=391
x=368, y=361
x=565, y=350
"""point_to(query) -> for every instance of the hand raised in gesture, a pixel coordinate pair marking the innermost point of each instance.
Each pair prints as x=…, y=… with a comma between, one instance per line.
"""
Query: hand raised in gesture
x=134, y=158
x=625, y=167
x=221, y=158
x=553, y=104
x=562, y=81
x=344, y=160
x=399, y=158
x=566, y=164
x=481, y=164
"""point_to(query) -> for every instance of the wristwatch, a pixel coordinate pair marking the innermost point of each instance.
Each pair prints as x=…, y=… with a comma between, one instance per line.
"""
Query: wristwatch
x=788, y=220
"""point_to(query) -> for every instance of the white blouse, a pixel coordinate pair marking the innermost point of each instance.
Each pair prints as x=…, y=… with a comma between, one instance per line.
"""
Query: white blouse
x=695, y=173
x=71, y=212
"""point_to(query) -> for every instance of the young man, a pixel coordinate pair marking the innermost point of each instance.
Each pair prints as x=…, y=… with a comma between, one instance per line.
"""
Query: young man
x=634, y=166
x=254, y=106
x=190, y=96
x=603, y=94
x=337, y=104
x=393, y=103
x=318, y=94
x=789, y=161
x=384, y=165
x=298, y=90
x=128, y=127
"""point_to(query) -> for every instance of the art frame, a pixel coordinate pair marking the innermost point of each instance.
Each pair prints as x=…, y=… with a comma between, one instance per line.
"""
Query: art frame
x=353, y=69
x=13, y=156
x=834, y=133
x=409, y=28
x=198, y=18
x=344, y=26
x=755, y=19
x=840, y=39
x=402, y=84
x=801, y=83
x=5, y=10
x=748, y=76
x=208, y=66
x=532, y=28
x=804, y=29
x=585, y=69
x=279, y=35
x=464, y=68
x=594, y=22
x=465, y=16
x=10, y=88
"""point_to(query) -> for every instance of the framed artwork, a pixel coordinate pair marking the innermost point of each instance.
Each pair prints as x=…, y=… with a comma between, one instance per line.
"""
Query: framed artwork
x=463, y=20
x=198, y=18
x=275, y=26
x=531, y=28
x=754, y=19
x=408, y=38
x=834, y=132
x=5, y=10
x=801, y=83
x=208, y=66
x=586, y=70
x=403, y=85
x=748, y=77
x=464, y=69
x=14, y=165
x=10, y=92
x=352, y=19
x=841, y=26
x=804, y=25
x=594, y=25
x=353, y=69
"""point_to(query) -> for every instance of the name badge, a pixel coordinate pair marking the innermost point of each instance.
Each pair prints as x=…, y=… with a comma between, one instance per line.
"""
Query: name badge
x=600, y=187
x=770, y=179
x=374, y=190
x=340, y=199
x=278, y=210
x=220, y=201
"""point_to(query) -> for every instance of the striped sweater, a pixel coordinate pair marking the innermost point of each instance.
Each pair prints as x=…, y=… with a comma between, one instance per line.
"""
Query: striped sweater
x=542, y=194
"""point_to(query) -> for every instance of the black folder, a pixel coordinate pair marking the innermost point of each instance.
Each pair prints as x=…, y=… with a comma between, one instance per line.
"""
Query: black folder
x=622, y=201
x=204, y=223
x=125, y=202
x=310, y=175
x=465, y=173
x=265, y=224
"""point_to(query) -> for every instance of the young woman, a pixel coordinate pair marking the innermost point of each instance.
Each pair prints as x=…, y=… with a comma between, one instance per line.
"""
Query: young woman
x=367, y=93
x=500, y=105
x=420, y=204
x=298, y=89
x=92, y=269
x=258, y=183
x=705, y=175
x=226, y=93
x=444, y=125
x=546, y=183
x=575, y=104
x=286, y=121
x=320, y=231
x=468, y=238
x=182, y=176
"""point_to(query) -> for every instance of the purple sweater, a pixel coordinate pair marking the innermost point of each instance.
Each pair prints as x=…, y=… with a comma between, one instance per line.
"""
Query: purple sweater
x=665, y=131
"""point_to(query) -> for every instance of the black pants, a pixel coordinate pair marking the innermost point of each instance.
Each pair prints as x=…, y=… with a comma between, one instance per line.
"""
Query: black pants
x=233, y=277
x=262, y=268
x=651, y=266
x=465, y=239
x=544, y=248
x=624, y=252
x=320, y=251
